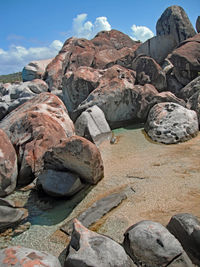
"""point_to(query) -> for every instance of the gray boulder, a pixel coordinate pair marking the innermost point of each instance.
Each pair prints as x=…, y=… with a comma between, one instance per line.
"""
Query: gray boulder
x=10, y=216
x=147, y=67
x=18, y=256
x=60, y=184
x=190, y=89
x=157, y=47
x=151, y=244
x=198, y=24
x=175, y=21
x=8, y=165
x=92, y=125
x=35, y=69
x=89, y=249
x=171, y=123
x=77, y=85
x=186, y=228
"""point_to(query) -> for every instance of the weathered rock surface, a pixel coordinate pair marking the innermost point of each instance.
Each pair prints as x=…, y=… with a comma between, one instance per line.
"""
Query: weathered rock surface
x=186, y=60
x=106, y=49
x=8, y=165
x=88, y=249
x=24, y=257
x=60, y=184
x=96, y=211
x=175, y=21
x=152, y=244
x=190, y=89
x=33, y=128
x=35, y=70
x=148, y=71
x=186, y=228
x=92, y=125
x=198, y=24
x=157, y=47
x=78, y=155
x=171, y=123
x=77, y=85
x=10, y=216
x=118, y=97
x=13, y=95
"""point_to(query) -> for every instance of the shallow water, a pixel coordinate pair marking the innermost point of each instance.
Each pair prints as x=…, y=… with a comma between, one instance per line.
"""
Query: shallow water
x=164, y=180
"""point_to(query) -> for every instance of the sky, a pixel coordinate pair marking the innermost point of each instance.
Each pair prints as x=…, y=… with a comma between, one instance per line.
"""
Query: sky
x=36, y=29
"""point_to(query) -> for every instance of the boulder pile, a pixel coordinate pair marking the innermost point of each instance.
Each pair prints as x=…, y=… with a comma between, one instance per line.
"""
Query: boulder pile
x=52, y=123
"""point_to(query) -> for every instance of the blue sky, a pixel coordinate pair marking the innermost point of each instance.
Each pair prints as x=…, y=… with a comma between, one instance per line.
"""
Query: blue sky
x=36, y=29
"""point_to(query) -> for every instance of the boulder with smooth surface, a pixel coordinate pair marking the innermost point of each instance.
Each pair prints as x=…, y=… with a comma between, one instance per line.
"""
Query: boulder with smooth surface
x=78, y=155
x=170, y=123
x=88, y=249
x=8, y=165
x=92, y=125
x=33, y=128
x=18, y=256
x=60, y=184
x=151, y=244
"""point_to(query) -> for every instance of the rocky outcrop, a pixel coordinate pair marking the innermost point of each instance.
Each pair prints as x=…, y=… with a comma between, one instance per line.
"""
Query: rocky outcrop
x=35, y=69
x=171, y=123
x=157, y=47
x=151, y=244
x=92, y=125
x=88, y=248
x=13, y=95
x=106, y=49
x=175, y=21
x=186, y=228
x=190, y=89
x=59, y=184
x=148, y=71
x=20, y=257
x=186, y=60
x=8, y=165
x=33, y=128
x=198, y=24
x=78, y=155
x=77, y=85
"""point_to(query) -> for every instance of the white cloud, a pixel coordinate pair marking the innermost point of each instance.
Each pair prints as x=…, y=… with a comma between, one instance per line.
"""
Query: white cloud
x=141, y=33
x=16, y=57
x=87, y=29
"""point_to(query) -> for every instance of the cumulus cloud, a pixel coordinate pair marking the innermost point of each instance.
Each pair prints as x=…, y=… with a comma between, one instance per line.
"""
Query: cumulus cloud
x=16, y=57
x=83, y=28
x=141, y=33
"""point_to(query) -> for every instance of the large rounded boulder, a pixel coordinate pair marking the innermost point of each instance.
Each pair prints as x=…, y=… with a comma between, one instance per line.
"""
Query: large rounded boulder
x=33, y=128
x=151, y=244
x=78, y=155
x=171, y=123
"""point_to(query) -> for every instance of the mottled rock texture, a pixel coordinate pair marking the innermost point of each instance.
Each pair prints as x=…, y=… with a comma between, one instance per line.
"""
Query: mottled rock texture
x=25, y=257
x=8, y=165
x=175, y=21
x=33, y=128
x=78, y=155
x=151, y=244
x=88, y=249
x=171, y=123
